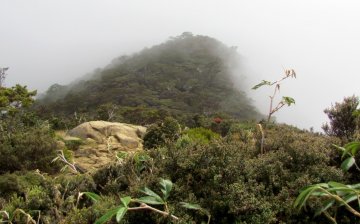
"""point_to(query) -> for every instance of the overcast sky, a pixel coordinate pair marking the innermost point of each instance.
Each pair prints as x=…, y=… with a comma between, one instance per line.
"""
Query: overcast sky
x=47, y=41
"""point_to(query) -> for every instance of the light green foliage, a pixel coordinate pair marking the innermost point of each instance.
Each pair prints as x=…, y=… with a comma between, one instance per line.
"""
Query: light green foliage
x=349, y=152
x=201, y=135
x=151, y=198
x=14, y=98
x=262, y=83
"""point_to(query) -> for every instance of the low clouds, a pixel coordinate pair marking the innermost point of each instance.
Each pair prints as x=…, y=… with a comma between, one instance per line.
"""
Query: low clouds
x=46, y=42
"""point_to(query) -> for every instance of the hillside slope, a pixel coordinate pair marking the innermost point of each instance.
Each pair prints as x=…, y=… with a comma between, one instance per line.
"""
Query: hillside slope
x=186, y=75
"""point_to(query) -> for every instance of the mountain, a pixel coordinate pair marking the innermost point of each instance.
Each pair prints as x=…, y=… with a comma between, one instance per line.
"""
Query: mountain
x=186, y=75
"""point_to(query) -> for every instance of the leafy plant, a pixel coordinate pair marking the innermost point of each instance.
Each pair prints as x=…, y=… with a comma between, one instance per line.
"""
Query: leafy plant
x=333, y=194
x=286, y=100
x=343, y=118
x=151, y=198
x=349, y=152
x=162, y=132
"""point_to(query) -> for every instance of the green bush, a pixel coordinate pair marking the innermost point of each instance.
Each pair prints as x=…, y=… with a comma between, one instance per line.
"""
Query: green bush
x=201, y=135
x=73, y=144
x=236, y=184
x=343, y=118
x=89, y=214
x=162, y=132
x=28, y=149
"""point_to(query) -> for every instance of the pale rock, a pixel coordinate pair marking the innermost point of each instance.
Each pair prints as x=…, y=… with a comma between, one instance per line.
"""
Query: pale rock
x=102, y=141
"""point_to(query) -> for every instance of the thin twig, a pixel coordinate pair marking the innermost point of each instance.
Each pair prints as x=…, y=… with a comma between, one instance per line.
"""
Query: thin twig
x=144, y=206
x=61, y=156
x=332, y=219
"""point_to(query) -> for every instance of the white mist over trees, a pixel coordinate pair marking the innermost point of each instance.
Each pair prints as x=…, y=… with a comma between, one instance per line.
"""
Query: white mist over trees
x=56, y=42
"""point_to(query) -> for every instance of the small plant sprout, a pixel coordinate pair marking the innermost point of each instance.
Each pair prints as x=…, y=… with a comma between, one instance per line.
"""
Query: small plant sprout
x=286, y=100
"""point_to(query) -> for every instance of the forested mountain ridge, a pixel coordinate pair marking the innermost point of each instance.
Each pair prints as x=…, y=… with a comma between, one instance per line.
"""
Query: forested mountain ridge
x=187, y=74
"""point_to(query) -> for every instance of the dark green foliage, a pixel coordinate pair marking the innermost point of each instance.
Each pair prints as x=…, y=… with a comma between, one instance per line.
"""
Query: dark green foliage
x=70, y=185
x=343, y=118
x=184, y=76
x=89, y=214
x=227, y=178
x=73, y=144
x=108, y=112
x=28, y=149
x=235, y=184
x=161, y=133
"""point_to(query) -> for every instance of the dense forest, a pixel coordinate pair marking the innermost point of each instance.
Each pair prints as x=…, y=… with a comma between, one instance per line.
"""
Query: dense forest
x=184, y=76
x=192, y=147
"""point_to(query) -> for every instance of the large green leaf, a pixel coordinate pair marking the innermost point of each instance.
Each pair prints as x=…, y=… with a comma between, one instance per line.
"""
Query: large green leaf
x=307, y=192
x=353, y=147
x=92, y=196
x=120, y=213
x=151, y=200
x=262, y=83
x=108, y=215
x=355, y=186
x=166, y=187
x=149, y=192
x=125, y=201
x=288, y=100
x=348, y=163
x=350, y=149
x=351, y=197
x=336, y=184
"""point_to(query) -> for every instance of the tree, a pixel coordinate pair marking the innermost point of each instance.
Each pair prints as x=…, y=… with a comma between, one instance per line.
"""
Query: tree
x=12, y=101
x=14, y=98
x=343, y=118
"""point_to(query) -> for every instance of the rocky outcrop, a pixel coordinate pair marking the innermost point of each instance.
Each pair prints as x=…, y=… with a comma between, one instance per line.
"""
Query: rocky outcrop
x=103, y=140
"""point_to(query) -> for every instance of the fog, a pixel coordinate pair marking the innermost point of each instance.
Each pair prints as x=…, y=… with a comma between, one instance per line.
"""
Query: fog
x=45, y=42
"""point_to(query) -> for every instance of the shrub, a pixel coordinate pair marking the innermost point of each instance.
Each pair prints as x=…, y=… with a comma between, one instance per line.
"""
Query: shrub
x=343, y=118
x=29, y=149
x=201, y=135
x=161, y=133
x=236, y=184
